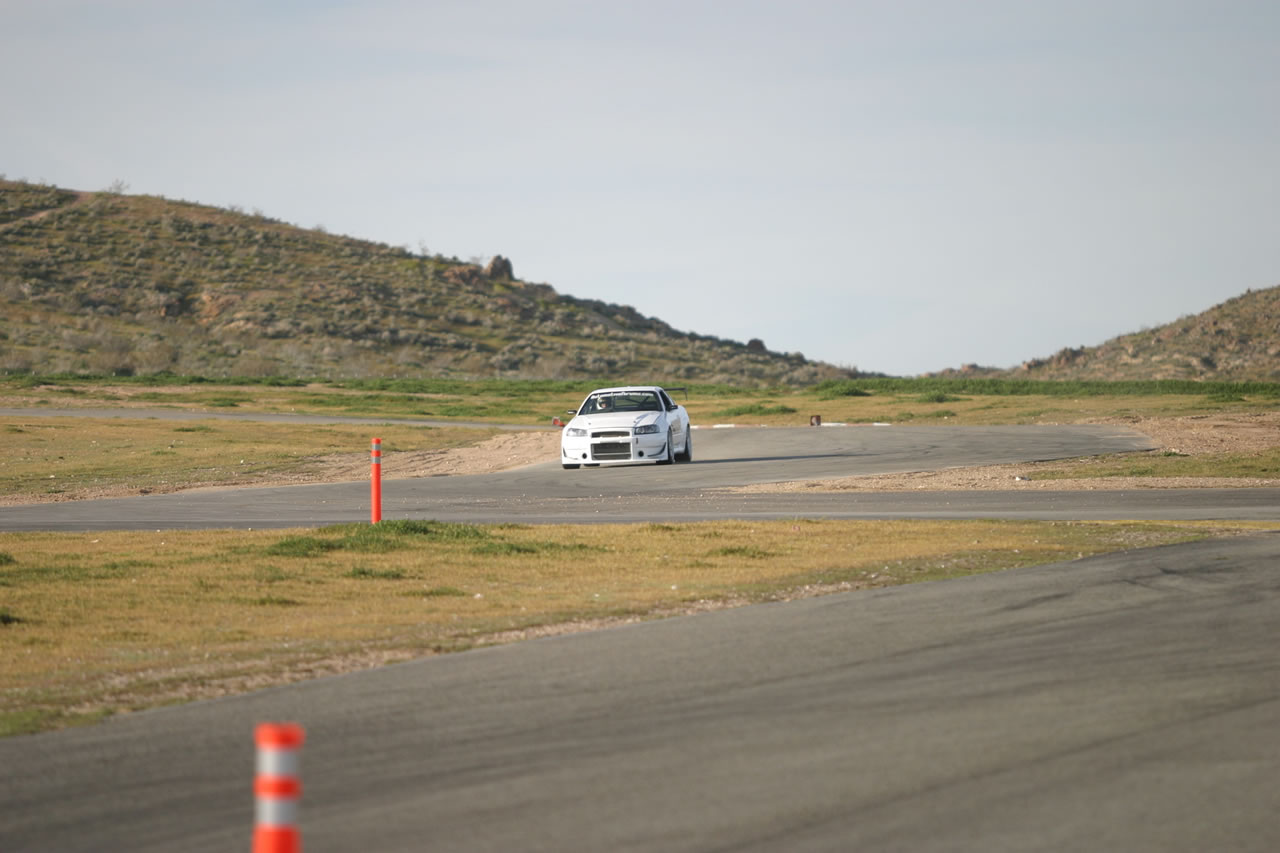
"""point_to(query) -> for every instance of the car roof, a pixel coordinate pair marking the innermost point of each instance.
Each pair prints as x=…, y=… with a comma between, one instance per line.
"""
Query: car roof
x=622, y=389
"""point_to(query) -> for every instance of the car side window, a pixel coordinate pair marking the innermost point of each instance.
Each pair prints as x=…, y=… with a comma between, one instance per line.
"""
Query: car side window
x=666, y=401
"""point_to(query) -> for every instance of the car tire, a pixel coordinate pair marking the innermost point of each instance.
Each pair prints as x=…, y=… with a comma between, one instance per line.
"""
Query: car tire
x=686, y=455
x=670, y=455
x=569, y=467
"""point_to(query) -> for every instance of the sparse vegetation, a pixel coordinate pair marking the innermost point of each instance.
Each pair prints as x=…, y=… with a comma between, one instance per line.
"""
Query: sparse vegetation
x=1262, y=465
x=127, y=285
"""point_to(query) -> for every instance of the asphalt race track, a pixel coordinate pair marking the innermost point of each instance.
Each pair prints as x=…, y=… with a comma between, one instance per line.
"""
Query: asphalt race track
x=722, y=458
x=1125, y=702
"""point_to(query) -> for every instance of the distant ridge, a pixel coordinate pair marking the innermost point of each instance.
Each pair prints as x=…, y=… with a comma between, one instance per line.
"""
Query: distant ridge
x=125, y=284
x=1236, y=341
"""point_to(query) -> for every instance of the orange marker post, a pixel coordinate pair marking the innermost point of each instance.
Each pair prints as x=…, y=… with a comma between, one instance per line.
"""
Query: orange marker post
x=375, y=482
x=277, y=789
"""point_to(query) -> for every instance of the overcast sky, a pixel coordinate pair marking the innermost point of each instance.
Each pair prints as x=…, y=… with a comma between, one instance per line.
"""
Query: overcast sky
x=895, y=185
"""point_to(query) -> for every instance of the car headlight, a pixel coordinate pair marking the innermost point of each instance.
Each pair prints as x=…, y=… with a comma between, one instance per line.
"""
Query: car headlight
x=575, y=432
x=647, y=429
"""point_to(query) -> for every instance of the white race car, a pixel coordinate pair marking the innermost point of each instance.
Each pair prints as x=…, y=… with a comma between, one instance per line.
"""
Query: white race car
x=619, y=426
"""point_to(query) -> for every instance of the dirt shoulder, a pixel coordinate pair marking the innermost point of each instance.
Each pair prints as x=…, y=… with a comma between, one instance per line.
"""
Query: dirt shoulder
x=500, y=453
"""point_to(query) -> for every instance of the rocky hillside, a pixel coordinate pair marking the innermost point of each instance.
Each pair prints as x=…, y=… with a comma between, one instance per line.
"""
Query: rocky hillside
x=1236, y=341
x=114, y=283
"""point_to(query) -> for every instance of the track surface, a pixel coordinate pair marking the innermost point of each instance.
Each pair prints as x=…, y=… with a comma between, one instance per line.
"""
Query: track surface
x=1125, y=702
x=546, y=493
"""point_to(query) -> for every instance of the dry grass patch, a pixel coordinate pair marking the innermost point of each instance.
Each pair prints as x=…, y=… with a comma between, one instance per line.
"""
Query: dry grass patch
x=1263, y=466
x=107, y=622
x=64, y=458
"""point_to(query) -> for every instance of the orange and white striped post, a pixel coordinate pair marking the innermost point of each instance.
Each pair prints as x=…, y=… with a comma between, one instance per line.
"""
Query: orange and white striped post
x=277, y=789
x=375, y=482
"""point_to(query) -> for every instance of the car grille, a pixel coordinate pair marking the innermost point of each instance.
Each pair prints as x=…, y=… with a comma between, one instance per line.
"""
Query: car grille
x=611, y=450
x=611, y=433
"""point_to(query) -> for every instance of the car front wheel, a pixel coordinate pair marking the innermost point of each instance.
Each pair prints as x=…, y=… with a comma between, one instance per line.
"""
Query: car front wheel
x=669, y=456
x=686, y=455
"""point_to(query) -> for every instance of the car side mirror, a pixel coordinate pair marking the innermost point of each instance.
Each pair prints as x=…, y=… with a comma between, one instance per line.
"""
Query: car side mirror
x=571, y=411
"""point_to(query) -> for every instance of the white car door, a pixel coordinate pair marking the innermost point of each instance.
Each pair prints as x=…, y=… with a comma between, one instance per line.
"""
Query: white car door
x=673, y=420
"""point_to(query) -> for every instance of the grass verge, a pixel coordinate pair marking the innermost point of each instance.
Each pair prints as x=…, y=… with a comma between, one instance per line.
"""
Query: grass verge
x=104, y=623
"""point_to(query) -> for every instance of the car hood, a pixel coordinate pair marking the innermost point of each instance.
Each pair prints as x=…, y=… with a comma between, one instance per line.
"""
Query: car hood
x=615, y=420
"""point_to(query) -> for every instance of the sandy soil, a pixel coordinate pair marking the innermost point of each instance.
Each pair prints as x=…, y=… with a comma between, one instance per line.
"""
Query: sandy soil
x=500, y=453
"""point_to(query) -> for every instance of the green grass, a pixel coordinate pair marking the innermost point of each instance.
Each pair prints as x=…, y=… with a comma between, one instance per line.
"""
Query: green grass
x=366, y=573
x=751, y=552
x=938, y=414
x=300, y=546
x=836, y=388
x=507, y=549
x=378, y=538
x=34, y=720
x=274, y=601
x=753, y=409
x=503, y=548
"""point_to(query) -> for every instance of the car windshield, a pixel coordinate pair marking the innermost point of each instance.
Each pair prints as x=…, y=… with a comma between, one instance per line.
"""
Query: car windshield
x=621, y=401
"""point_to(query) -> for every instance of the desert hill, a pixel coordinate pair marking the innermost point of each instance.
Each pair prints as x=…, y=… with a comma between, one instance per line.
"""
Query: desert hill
x=1237, y=341
x=128, y=284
